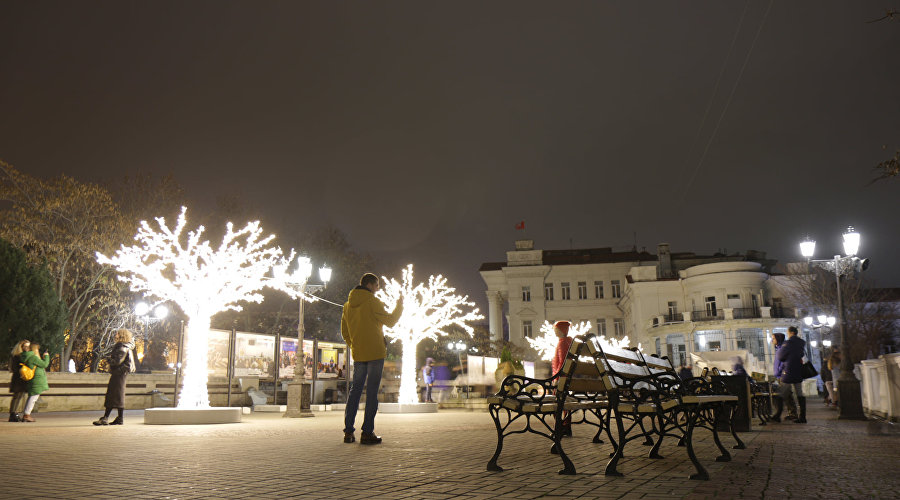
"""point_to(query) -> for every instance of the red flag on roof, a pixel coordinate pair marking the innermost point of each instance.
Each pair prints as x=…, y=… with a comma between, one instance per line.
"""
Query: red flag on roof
x=520, y=225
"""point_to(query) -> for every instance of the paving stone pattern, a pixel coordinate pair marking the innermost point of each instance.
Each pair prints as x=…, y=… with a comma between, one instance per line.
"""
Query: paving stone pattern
x=439, y=455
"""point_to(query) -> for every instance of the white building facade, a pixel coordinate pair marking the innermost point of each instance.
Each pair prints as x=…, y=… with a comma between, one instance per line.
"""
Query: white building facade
x=673, y=304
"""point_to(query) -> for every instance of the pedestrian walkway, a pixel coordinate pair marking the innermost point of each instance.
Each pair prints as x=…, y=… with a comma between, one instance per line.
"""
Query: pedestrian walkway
x=440, y=455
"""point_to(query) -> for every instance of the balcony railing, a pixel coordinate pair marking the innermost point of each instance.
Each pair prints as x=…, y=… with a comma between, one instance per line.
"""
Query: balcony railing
x=705, y=315
x=673, y=318
x=782, y=312
x=746, y=312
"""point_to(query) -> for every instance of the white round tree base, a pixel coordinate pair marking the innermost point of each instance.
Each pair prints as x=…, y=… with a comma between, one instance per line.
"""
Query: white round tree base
x=407, y=407
x=192, y=416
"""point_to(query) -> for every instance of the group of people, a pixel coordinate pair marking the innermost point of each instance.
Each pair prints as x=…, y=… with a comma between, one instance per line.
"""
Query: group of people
x=25, y=393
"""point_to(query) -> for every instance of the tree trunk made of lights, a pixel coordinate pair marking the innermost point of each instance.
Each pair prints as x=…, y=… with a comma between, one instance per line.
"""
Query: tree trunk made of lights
x=194, y=393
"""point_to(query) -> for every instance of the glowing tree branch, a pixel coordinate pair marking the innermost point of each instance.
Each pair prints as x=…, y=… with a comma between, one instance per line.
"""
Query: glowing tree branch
x=428, y=310
x=545, y=345
x=201, y=280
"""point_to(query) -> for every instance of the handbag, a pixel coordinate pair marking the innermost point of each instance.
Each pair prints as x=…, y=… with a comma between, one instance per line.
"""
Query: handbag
x=25, y=372
x=807, y=370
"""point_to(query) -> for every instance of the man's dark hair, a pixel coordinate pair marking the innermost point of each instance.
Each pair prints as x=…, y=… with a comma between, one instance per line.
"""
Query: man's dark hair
x=779, y=337
x=368, y=279
x=793, y=329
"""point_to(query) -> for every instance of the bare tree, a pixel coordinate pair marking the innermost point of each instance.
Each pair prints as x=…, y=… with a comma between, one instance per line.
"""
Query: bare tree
x=870, y=314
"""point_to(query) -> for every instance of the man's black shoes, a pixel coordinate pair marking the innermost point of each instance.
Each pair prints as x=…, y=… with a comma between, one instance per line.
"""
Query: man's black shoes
x=367, y=438
x=348, y=437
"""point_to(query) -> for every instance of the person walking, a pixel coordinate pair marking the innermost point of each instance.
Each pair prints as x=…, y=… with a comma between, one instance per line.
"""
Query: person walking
x=38, y=383
x=561, y=329
x=361, y=327
x=791, y=355
x=18, y=387
x=428, y=377
x=121, y=363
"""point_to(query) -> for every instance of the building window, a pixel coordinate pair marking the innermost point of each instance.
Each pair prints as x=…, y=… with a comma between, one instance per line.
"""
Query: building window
x=616, y=288
x=673, y=309
x=598, y=289
x=601, y=326
x=734, y=296
x=711, y=307
x=582, y=290
x=548, y=291
x=564, y=291
x=526, y=294
x=619, y=325
x=526, y=329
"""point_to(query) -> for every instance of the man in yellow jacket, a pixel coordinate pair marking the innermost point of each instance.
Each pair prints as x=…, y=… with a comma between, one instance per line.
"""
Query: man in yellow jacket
x=361, y=326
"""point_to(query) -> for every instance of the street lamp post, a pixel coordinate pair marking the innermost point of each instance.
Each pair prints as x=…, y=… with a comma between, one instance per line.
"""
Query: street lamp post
x=850, y=396
x=299, y=390
x=143, y=312
x=459, y=347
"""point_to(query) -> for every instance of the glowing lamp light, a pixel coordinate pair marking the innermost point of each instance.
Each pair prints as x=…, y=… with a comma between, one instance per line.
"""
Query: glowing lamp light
x=822, y=319
x=826, y=343
x=141, y=309
x=428, y=311
x=831, y=321
x=808, y=320
x=206, y=281
x=812, y=343
x=160, y=312
x=325, y=274
x=808, y=247
x=304, y=269
x=851, y=241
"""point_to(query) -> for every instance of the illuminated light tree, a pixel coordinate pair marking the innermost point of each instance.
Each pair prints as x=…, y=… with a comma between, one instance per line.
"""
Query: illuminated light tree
x=545, y=345
x=428, y=310
x=202, y=281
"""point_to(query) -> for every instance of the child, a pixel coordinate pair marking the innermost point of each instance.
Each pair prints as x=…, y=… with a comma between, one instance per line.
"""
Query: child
x=561, y=329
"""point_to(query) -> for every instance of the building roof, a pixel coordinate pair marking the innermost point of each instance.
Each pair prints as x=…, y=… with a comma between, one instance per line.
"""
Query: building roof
x=581, y=256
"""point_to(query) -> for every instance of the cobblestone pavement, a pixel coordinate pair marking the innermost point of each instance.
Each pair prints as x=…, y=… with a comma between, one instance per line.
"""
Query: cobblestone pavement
x=439, y=455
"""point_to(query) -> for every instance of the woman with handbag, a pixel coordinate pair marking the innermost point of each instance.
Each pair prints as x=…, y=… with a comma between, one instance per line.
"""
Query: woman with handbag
x=18, y=386
x=38, y=382
x=121, y=363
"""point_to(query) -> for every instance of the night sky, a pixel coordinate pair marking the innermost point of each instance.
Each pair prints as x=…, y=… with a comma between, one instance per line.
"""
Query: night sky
x=426, y=131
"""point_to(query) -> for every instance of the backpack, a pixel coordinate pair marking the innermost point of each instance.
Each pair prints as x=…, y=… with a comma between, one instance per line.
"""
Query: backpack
x=26, y=373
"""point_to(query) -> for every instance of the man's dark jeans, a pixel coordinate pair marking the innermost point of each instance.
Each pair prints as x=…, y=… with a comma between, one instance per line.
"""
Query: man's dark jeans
x=368, y=374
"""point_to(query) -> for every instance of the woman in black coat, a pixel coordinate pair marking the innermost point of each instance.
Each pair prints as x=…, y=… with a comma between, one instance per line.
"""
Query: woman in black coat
x=121, y=363
x=17, y=387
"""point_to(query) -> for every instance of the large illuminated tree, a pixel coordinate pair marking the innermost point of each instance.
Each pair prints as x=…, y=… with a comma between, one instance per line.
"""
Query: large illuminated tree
x=202, y=280
x=428, y=310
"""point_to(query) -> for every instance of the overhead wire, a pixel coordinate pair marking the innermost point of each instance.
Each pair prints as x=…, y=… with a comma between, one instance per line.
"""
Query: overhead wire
x=727, y=103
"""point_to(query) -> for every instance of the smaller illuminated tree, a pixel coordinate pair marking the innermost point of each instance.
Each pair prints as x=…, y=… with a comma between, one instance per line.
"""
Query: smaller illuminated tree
x=202, y=281
x=428, y=310
x=545, y=345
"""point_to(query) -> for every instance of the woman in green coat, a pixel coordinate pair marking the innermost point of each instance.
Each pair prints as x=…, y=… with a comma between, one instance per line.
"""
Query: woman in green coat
x=38, y=383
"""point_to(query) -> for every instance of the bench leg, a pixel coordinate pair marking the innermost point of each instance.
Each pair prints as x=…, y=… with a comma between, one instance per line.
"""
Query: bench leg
x=654, y=452
x=725, y=456
x=492, y=463
x=611, y=466
x=740, y=444
x=648, y=441
x=692, y=421
x=558, y=426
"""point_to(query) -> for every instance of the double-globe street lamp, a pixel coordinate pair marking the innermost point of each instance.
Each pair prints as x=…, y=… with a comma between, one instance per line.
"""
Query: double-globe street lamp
x=459, y=347
x=299, y=392
x=146, y=314
x=850, y=396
